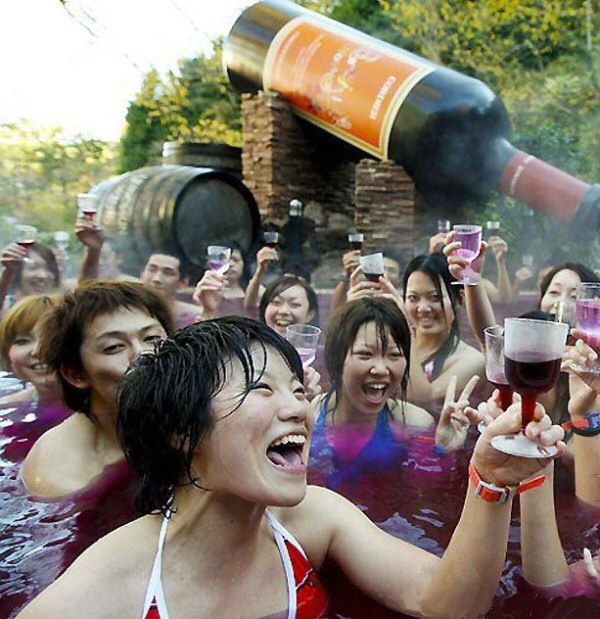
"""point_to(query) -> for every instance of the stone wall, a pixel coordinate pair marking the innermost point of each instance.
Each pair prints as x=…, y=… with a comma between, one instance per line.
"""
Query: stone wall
x=284, y=158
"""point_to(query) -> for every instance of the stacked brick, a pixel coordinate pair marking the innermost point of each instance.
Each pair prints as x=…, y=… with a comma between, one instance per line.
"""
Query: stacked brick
x=285, y=158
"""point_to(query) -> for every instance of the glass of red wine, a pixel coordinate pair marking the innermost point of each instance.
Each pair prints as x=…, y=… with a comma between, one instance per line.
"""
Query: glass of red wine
x=469, y=238
x=492, y=227
x=372, y=266
x=25, y=237
x=532, y=354
x=444, y=226
x=87, y=205
x=218, y=258
x=271, y=239
x=494, y=364
x=356, y=240
x=587, y=314
x=304, y=338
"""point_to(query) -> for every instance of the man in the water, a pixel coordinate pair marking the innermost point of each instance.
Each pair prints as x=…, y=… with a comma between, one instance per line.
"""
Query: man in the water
x=164, y=274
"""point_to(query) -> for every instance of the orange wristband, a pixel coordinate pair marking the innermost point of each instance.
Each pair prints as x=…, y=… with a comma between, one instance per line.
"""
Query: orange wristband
x=496, y=494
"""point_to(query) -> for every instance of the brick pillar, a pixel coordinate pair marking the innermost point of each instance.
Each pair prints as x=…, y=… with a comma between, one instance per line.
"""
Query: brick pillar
x=385, y=205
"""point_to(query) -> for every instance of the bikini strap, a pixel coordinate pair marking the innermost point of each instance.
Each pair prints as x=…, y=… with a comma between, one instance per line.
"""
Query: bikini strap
x=155, y=590
x=281, y=535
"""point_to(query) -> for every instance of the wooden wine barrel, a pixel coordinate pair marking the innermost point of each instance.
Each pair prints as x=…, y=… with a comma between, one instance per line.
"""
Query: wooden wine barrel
x=204, y=155
x=179, y=210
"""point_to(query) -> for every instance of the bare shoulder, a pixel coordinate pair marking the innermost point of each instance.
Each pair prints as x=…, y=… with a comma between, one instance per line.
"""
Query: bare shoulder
x=470, y=360
x=109, y=579
x=410, y=414
x=320, y=505
x=56, y=465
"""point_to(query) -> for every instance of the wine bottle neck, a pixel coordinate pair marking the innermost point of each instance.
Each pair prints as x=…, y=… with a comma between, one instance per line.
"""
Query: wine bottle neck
x=540, y=185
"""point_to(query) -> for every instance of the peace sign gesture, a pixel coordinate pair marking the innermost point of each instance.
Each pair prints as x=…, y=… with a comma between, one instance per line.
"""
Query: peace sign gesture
x=452, y=427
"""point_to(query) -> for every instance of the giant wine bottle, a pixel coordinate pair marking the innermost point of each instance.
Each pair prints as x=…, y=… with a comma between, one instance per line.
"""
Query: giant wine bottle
x=449, y=131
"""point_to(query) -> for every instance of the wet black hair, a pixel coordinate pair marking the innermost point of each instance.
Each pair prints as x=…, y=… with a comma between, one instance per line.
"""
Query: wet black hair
x=281, y=284
x=246, y=273
x=344, y=325
x=435, y=265
x=165, y=399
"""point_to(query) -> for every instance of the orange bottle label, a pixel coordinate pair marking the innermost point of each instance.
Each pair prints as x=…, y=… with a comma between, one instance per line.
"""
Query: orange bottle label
x=345, y=82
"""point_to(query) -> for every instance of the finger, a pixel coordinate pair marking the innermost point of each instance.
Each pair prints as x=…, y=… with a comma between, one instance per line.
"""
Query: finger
x=460, y=419
x=354, y=276
x=451, y=247
x=508, y=422
x=551, y=436
x=588, y=561
x=535, y=428
x=468, y=390
x=450, y=391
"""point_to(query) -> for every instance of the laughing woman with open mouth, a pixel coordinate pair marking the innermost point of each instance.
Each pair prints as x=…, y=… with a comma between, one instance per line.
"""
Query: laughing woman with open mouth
x=217, y=424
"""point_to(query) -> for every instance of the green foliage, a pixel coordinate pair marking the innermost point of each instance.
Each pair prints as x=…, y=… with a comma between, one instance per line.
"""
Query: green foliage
x=196, y=104
x=42, y=171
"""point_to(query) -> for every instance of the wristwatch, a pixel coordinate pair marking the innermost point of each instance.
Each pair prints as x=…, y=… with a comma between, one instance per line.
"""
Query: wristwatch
x=588, y=426
x=497, y=494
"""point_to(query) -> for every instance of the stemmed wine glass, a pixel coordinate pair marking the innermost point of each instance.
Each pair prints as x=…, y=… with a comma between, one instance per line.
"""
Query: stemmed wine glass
x=532, y=352
x=356, y=240
x=25, y=237
x=443, y=226
x=494, y=364
x=372, y=266
x=587, y=314
x=218, y=258
x=470, y=243
x=87, y=204
x=492, y=226
x=271, y=239
x=304, y=338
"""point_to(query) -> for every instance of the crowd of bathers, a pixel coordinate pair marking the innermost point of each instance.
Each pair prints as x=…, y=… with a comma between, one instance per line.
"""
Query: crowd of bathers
x=196, y=389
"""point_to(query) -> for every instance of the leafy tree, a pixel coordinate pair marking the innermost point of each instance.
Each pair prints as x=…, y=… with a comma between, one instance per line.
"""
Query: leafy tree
x=42, y=171
x=196, y=104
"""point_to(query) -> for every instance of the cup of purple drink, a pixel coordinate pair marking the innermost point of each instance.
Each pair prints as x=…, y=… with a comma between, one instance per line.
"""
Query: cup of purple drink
x=304, y=338
x=587, y=315
x=469, y=237
x=218, y=258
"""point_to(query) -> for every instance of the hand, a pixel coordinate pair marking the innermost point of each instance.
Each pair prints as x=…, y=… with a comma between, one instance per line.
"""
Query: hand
x=350, y=261
x=209, y=292
x=11, y=256
x=89, y=234
x=458, y=265
x=264, y=257
x=590, y=566
x=452, y=427
x=312, y=383
x=523, y=274
x=500, y=469
x=437, y=242
x=488, y=410
x=574, y=359
x=498, y=246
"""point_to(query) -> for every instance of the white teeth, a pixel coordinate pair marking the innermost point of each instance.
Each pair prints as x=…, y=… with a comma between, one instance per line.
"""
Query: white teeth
x=296, y=439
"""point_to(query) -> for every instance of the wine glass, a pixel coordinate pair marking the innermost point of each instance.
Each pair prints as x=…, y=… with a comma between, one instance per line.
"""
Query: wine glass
x=87, y=204
x=25, y=237
x=532, y=353
x=494, y=364
x=492, y=227
x=443, y=226
x=470, y=243
x=527, y=260
x=61, y=240
x=304, y=338
x=587, y=314
x=356, y=240
x=271, y=239
x=372, y=266
x=218, y=258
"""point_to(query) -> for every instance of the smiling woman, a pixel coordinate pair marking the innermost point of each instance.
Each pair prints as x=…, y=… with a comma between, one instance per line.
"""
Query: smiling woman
x=216, y=423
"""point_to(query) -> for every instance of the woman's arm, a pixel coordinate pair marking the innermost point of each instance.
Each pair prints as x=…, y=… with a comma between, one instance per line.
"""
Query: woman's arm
x=584, y=388
x=405, y=578
x=12, y=254
x=544, y=563
x=350, y=261
x=92, y=238
x=264, y=257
